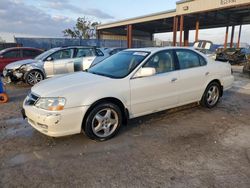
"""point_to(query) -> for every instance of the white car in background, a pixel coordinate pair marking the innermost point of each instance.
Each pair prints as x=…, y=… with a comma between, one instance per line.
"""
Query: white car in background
x=129, y=84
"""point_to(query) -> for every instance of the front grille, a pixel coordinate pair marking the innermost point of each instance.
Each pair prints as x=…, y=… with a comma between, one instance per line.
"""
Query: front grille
x=31, y=99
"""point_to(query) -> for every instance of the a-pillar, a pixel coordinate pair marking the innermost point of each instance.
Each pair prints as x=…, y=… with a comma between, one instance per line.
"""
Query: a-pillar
x=238, y=43
x=186, y=37
x=232, y=37
x=226, y=37
x=197, y=26
x=175, y=29
x=129, y=36
x=181, y=28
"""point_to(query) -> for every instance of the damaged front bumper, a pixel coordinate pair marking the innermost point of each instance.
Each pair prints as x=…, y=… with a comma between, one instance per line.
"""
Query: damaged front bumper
x=11, y=75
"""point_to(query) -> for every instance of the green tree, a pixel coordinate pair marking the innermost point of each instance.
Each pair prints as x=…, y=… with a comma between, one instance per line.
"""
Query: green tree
x=82, y=29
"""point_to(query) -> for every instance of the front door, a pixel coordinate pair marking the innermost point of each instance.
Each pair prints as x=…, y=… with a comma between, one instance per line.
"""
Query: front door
x=60, y=62
x=158, y=92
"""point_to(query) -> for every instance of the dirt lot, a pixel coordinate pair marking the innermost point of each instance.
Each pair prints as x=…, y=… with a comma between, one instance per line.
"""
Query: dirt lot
x=194, y=147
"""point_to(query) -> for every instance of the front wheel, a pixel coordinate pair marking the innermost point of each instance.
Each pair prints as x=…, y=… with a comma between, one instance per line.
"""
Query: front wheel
x=211, y=95
x=33, y=77
x=103, y=122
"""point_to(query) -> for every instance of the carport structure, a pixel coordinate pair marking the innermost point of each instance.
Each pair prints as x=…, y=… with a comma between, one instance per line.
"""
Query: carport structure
x=188, y=15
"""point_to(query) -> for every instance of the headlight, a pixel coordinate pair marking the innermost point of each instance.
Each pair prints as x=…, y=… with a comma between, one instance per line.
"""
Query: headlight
x=51, y=104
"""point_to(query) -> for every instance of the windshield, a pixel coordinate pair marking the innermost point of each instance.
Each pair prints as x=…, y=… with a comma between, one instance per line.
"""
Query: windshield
x=43, y=55
x=120, y=64
x=230, y=50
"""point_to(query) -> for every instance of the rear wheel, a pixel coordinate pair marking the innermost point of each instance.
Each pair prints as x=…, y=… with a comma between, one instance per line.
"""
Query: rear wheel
x=103, y=122
x=33, y=77
x=211, y=95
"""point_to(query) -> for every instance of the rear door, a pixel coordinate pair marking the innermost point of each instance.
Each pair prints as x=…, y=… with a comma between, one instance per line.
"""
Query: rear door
x=9, y=57
x=83, y=58
x=193, y=75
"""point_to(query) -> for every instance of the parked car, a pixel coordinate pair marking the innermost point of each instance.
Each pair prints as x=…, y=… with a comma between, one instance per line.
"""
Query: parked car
x=113, y=51
x=10, y=55
x=233, y=55
x=208, y=53
x=129, y=84
x=53, y=62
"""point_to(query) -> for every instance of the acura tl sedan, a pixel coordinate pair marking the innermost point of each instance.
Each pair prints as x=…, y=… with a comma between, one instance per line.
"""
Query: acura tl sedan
x=129, y=84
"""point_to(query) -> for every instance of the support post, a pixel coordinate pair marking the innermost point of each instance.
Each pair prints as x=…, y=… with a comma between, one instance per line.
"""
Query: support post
x=99, y=34
x=197, y=26
x=186, y=37
x=129, y=36
x=232, y=37
x=226, y=37
x=181, y=28
x=175, y=28
x=238, y=43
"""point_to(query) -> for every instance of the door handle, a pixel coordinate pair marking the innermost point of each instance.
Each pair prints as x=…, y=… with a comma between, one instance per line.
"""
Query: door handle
x=174, y=80
x=207, y=73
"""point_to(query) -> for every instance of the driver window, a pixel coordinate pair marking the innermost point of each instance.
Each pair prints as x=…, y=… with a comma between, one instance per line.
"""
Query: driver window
x=162, y=62
x=62, y=54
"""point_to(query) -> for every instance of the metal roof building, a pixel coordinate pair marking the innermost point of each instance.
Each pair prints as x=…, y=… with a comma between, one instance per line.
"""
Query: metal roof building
x=188, y=15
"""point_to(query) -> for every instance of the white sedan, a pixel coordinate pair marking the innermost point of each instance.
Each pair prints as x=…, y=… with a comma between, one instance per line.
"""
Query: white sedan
x=129, y=84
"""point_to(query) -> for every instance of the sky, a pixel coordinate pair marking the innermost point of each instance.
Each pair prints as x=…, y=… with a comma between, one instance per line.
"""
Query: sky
x=48, y=18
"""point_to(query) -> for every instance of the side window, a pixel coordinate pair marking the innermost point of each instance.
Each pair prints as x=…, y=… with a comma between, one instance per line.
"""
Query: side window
x=188, y=59
x=202, y=61
x=162, y=62
x=62, y=54
x=84, y=52
x=30, y=53
x=12, y=54
x=99, y=52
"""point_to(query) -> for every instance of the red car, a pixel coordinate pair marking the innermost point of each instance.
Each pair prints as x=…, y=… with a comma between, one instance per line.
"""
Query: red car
x=10, y=55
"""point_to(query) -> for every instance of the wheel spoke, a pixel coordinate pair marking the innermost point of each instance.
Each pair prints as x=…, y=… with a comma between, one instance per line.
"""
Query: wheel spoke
x=108, y=114
x=99, y=118
x=98, y=127
x=106, y=131
x=113, y=121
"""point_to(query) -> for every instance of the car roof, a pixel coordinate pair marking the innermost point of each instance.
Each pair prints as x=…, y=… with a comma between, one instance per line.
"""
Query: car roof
x=66, y=47
x=157, y=49
x=24, y=48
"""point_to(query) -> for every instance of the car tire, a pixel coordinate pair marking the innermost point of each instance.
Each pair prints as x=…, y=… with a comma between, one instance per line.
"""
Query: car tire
x=33, y=77
x=103, y=122
x=211, y=95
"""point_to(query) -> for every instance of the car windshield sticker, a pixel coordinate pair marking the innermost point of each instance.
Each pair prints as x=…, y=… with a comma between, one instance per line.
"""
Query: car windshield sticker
x=140, y=53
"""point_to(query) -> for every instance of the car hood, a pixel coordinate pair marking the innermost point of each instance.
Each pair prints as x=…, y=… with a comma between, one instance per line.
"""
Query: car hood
x=63, y=86
x=18, y=64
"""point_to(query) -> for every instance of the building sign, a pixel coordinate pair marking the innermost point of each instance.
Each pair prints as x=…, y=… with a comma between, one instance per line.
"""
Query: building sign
x=226, y=2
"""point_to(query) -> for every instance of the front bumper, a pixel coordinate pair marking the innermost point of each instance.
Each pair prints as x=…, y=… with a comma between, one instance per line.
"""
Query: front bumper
x=227, y=82
x=12, y=75
x=55, y=124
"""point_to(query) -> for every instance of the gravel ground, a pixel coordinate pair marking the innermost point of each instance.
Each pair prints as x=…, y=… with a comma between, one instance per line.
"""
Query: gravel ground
x=185, y=147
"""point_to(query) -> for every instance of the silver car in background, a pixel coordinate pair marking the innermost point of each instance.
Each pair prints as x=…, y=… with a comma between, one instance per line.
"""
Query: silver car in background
x=56, y=61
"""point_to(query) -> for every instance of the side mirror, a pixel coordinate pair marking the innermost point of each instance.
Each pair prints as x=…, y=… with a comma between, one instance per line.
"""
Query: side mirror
x=49, y=59
x=145, y=72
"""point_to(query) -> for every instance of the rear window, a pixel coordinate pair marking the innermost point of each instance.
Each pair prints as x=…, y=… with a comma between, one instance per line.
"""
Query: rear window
x=30, y=53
